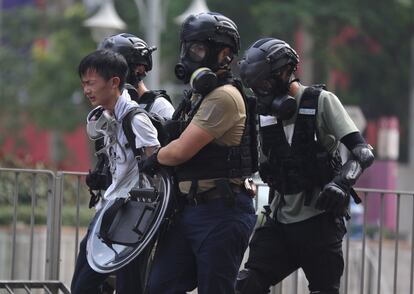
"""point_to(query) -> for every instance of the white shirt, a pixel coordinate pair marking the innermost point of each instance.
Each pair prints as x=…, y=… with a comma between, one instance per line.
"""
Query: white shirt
x=123, y=165
x=162, y=107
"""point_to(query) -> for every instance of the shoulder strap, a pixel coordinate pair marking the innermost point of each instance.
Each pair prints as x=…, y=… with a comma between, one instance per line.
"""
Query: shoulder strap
x=305, y=125
x=184, y=105
x=157, y=121
x=251, y=122
x=149, y=98
x=129, y=133
x=162, y=94
x=132, y=92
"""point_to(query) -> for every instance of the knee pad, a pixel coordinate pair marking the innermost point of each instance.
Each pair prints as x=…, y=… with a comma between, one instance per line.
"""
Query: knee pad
x=249, y=282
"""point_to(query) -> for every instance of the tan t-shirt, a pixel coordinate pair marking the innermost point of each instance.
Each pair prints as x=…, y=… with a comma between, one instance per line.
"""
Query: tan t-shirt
x=222, y=114
x=333, y=123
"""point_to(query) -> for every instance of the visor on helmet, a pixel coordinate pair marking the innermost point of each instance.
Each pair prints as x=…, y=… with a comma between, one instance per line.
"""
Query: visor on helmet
x=194, y=51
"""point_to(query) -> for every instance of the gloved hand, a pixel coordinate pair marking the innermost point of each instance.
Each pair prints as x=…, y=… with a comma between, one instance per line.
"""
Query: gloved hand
x=334, y=198
x=151, y=165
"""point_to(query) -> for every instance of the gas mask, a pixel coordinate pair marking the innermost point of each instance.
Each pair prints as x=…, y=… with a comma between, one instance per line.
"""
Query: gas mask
x=273, y=99
x=193, y=55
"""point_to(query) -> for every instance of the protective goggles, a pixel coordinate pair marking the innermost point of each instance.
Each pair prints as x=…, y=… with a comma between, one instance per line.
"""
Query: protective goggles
x=194, y=51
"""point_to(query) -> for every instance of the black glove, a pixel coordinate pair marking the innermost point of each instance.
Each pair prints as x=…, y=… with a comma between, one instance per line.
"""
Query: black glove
x=334, y=198
x=151, y=165
x=98, y=180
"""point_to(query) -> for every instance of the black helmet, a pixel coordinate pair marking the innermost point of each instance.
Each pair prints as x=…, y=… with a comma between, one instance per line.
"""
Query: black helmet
x=134, y=49
x=265, y=58
x=261, y=70
x=203, y=36
x=211, y=26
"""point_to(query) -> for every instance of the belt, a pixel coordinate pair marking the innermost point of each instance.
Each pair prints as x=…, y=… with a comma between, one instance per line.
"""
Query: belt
x=209, y=195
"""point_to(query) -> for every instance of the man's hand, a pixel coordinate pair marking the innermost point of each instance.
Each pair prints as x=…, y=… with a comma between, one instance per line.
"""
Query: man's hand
x=151, y=165
x=333, y=198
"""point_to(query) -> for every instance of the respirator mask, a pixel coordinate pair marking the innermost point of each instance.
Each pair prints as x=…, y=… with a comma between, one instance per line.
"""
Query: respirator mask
x=273, y=99
x=193, y=55
x=136, y=57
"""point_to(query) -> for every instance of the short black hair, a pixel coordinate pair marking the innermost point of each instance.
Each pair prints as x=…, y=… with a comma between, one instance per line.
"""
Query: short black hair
x=107, y=64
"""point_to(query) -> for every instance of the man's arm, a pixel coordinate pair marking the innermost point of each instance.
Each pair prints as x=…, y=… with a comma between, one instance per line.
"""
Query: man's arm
x=149, y=150
x=191, y=141
x=334, y=196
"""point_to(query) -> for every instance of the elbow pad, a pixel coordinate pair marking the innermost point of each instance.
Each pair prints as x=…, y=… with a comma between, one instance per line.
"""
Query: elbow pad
x=363, y=154
x=349, y=174
x=362, y=157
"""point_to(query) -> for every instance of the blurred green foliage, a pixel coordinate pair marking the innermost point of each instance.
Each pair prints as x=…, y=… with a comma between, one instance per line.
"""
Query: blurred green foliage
x=39, y=56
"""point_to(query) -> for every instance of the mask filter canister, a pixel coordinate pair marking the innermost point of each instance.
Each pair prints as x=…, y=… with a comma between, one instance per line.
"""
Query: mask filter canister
x=203, y=81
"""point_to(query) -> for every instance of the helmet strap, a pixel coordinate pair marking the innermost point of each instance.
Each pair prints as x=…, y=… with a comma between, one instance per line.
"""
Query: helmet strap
x=226, y=62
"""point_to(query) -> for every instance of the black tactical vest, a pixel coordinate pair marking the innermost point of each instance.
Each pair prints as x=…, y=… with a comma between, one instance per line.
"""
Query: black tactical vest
x=305, y=164
x=216, y=161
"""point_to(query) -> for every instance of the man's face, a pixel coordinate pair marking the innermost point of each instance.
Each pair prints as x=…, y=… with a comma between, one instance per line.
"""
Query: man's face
x=98, y=90
x=139, y=69
x=136, y=75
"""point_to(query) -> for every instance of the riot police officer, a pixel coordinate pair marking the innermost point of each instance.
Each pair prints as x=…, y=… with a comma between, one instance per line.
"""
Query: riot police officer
x=211, y=157
x=300, y=130
x=139, y=57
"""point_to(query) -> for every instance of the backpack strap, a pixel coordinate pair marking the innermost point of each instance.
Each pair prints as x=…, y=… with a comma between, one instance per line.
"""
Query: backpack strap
x=132, y=92
x=149, y=97
x=129, y=133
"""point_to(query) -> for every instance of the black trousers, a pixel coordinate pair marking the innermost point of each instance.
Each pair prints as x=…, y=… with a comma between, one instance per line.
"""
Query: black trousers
x=315, y=245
